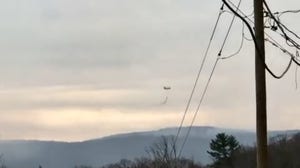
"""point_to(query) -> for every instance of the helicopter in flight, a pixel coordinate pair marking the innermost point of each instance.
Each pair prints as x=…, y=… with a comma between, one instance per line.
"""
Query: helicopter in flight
x=166, y=88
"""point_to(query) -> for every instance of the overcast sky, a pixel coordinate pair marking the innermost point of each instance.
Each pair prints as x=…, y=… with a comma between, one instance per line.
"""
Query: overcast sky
x=79, y=69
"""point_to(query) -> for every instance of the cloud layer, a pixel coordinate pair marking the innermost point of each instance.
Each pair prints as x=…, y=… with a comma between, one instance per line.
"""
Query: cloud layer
x=73, y=70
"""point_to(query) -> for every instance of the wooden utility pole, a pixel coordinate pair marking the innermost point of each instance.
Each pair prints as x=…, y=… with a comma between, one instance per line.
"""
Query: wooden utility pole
x=260, y=80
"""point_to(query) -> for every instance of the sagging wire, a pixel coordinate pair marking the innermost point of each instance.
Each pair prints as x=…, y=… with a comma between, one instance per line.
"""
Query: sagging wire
x=240, y=47
x=289, y=41
x=255, y=43
x=228, y=31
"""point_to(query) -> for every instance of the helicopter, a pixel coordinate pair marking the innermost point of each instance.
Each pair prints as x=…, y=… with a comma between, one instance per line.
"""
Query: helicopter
x=166, y=88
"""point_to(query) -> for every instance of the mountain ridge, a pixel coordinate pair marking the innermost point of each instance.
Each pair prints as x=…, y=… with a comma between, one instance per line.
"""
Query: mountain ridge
x=100, y=151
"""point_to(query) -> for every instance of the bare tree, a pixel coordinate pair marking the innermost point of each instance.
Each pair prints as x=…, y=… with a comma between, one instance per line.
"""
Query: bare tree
x=163, y=152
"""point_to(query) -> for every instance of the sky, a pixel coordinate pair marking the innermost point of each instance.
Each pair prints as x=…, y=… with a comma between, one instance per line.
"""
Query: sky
x=73, y=70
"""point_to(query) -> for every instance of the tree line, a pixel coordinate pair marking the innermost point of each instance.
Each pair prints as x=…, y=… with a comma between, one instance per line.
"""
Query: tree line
x=225, y=152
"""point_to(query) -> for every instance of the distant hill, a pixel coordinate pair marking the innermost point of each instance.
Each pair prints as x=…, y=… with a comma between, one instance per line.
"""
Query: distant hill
x=97, y=152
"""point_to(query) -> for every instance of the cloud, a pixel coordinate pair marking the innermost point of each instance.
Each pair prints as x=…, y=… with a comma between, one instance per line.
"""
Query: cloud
x=75, y=124
x=81, y=98
x=92, y=41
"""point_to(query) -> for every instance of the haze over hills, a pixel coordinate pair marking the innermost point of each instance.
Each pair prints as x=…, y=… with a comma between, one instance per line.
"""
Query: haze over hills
x=97, y=152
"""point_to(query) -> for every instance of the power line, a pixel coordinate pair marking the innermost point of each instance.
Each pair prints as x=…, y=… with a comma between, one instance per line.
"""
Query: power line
x=208, y=82
x=288, y=11
x=198, y=74
x=276, y=44
x=244, y=15
x=287, y=38
x=245, y=37
x=284, y=51
x=240, y=48
x=289, y=30
x=198, y=107
x=255, y=42
x=228, y=31
x=271, y=16
x=270, y=37
x=243, y=18
x=280, y=47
